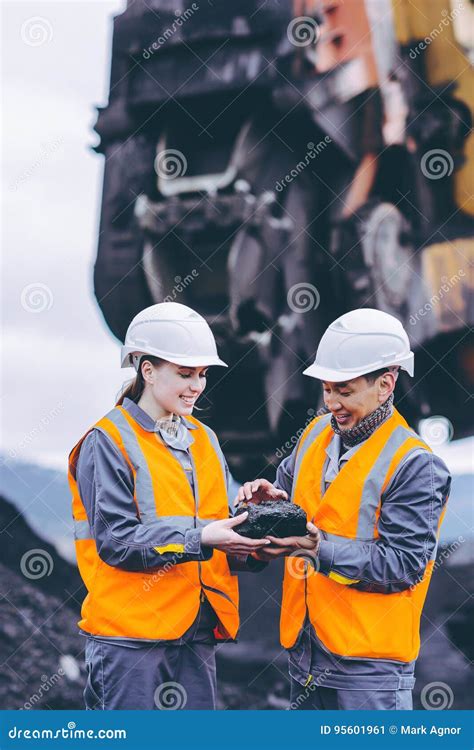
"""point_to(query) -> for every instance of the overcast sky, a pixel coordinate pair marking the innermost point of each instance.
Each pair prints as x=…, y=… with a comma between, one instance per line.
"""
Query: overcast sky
x=60, y=363
x=60, y=368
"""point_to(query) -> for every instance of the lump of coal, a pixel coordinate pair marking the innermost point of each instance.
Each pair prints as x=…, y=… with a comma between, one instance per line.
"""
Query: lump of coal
x=278, y=518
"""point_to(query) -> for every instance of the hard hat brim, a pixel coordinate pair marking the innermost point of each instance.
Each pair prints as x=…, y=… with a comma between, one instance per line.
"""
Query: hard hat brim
x=338, y=376
x=182, y=361
x=331, y=376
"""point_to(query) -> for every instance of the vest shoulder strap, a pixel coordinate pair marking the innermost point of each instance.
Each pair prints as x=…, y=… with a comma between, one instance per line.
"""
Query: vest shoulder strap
x=310, y=434
x=213, y=439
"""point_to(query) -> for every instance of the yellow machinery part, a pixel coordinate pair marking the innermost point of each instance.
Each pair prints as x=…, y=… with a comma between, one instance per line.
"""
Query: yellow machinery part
x=442, y=25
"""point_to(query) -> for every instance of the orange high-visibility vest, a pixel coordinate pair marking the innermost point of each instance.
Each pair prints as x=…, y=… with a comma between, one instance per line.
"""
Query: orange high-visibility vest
x=347, y=621
x=164, y=602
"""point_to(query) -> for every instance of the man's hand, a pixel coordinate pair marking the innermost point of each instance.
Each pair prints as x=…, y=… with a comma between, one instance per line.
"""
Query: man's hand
x=309, y=545
x=259, y=491
x=220, y=535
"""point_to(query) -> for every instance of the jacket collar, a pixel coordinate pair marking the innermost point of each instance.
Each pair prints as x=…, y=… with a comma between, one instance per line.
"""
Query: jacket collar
x=333, y=450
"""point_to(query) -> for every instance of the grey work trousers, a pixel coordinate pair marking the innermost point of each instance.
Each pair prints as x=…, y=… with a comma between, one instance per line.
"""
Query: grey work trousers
x=315, y=698
x=156, y=677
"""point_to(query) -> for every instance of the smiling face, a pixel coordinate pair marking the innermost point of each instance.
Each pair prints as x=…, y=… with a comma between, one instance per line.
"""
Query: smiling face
x=171, y=389
x=355, y=399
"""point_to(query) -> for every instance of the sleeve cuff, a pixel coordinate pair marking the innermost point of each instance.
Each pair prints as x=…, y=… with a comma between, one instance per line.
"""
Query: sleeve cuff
x=194, y=548
x=326, y=556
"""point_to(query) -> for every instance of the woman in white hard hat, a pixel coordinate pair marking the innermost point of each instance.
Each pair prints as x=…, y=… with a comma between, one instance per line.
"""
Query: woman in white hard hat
x=376, y=495
x=152, y=527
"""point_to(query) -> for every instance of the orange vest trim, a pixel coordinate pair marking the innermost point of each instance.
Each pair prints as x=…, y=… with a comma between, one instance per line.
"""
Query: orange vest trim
x=160, y=604
x=349, y=622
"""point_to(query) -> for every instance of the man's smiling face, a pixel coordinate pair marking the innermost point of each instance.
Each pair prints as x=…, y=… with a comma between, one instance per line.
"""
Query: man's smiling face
x=349, y=402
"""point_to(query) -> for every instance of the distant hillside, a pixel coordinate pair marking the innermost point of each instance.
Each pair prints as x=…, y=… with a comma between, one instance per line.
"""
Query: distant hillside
x=44, y=498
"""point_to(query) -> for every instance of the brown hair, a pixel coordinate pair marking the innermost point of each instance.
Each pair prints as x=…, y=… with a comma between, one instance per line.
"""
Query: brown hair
x=135, y=389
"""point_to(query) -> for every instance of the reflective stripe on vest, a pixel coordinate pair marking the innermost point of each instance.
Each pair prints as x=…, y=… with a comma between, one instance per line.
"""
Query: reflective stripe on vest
x=143, y=482
x=350, y=622
x=160, y=604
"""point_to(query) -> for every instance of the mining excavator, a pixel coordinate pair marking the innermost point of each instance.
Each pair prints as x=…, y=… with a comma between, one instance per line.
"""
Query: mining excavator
x=275, y=163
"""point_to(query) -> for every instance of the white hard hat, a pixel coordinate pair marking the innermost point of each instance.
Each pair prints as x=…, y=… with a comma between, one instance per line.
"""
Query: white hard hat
x=173, y=332
x=360, y=342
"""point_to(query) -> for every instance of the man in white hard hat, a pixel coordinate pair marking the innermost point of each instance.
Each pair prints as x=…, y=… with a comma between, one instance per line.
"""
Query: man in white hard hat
x=374, y=495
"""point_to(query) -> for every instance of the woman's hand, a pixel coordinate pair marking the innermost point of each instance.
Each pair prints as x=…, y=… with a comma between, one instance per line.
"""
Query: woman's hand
x=259, y=491
x=309, y=545
x=220, y=535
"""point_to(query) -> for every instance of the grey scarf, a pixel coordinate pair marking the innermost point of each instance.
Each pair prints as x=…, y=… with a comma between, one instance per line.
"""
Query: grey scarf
x=170, y=425
x=366, y=426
